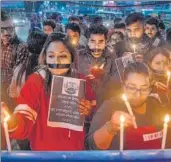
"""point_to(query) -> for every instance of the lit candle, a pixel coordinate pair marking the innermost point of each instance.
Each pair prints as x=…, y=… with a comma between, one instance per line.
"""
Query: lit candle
x=73, y=42
x=166, y=120
x=102, y=66
x=168, y=77
x=6, y=131
x=122, y=120
x=134, y=48
x=124, y=97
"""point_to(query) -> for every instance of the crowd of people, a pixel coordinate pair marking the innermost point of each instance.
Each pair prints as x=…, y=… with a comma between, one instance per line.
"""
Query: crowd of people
x=27, y=69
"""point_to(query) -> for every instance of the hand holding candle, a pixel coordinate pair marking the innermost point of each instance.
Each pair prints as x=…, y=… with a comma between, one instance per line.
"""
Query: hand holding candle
x=84, y=106
x=166, y=121
x=97, y=72
x=124, y=97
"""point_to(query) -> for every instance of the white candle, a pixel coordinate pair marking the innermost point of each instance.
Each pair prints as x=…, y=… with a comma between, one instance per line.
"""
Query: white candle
x=124, y=97
x=122, y=120
x=166, y=120
x=168, y=77
x=7, y=133
x=102, y=66
x=134, y=48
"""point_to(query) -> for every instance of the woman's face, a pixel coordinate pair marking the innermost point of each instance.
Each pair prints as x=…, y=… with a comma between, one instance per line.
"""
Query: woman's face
x=58, y=58
x=160, y=63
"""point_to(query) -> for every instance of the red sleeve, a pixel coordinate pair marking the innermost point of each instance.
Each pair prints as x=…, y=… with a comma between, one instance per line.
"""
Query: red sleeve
x=28, y=106
x=90, y=95
x=89, y=91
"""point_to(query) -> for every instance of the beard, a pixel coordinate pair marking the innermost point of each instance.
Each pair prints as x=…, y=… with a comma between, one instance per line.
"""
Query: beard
x=135, y=40
x=150, y=35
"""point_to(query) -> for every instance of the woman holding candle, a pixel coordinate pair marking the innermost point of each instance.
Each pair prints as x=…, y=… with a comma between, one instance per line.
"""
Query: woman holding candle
x=30, y=116
x=158, y=61
x=146, y=112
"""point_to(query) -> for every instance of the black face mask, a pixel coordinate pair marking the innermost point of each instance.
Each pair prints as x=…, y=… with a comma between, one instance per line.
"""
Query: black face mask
x=59, y=66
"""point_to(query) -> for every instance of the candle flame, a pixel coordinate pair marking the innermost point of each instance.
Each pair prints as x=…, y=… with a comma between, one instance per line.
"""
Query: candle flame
x=134, y=46
x=74, y=42
x=167, y=119
x=122, y=119
x=7, y=116
x=124, y=97
x=168, y=74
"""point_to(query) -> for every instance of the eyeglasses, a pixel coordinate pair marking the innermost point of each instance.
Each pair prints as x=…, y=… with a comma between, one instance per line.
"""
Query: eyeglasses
x=8, y=29
x=133, y=90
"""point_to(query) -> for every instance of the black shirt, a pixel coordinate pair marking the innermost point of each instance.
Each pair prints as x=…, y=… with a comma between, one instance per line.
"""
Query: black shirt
x=124, y=47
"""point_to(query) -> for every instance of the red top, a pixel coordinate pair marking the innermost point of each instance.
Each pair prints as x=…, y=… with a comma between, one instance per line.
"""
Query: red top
x=32, y=115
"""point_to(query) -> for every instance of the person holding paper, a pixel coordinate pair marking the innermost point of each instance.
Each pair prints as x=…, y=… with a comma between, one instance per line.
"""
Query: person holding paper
x=29, y=119
x=147, y=113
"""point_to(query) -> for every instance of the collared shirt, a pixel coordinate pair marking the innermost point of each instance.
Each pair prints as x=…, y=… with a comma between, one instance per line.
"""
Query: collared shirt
x=12, y=55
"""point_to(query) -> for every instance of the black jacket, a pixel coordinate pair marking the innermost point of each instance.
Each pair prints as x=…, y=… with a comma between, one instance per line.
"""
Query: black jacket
x=124, y=47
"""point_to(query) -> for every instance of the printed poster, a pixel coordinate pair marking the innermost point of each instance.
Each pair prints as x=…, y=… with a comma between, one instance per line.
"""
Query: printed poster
x=63, y=107
x=122, y=62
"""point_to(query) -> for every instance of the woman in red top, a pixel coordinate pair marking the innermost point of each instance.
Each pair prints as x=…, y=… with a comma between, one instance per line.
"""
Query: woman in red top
x=29, y=119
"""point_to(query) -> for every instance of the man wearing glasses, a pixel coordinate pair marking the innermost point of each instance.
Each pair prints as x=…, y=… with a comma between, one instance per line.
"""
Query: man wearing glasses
x=13, y=53
x=148, y=115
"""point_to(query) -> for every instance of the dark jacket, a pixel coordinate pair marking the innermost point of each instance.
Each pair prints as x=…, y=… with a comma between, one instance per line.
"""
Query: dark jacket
x=158, y=41
x=86, y=61
x=124, y=47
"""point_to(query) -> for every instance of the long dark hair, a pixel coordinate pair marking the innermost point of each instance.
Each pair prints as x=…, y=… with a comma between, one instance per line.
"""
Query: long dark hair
x=27, y=67
x=42, y=58
x=150, y=56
